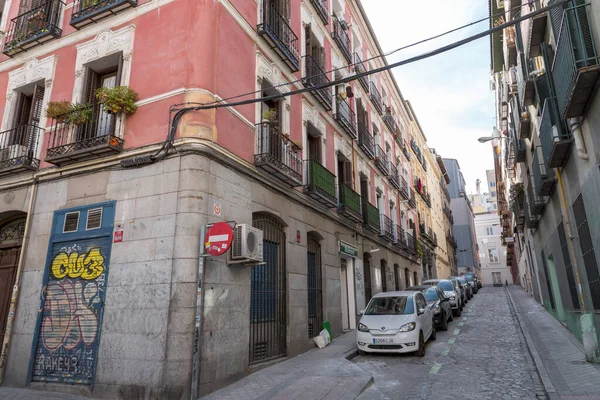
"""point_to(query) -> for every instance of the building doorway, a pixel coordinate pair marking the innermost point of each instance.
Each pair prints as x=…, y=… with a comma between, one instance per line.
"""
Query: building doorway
x=11, y=238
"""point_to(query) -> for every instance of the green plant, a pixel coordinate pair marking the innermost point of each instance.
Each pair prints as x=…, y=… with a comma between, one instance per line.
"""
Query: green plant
x=58, y=110
x=88, y=3
x=80, y=114
x=270, y=114
x=120, y=99
x=419, y=249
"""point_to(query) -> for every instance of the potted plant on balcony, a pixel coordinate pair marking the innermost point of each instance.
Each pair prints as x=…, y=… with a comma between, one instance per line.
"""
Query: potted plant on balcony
x=58, y=110
x=80, y=114
x=419, y=249
x=270, y=116
x=117, y=100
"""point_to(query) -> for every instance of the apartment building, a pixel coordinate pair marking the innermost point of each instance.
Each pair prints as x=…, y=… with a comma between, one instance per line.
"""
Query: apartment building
x=545, y=73
x=492, y=250
x=443, y=220
x=108, y=173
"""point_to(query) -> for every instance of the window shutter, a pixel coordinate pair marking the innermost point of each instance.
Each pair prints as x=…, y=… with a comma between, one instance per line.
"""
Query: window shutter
x=308, y=40
x=36, y=106
x=321, y=59
x=91, y=85
x=23, y=107
x=348, y=174
x=119, y=70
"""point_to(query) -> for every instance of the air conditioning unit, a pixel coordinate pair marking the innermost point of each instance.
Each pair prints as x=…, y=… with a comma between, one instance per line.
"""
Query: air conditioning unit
x=247, y=245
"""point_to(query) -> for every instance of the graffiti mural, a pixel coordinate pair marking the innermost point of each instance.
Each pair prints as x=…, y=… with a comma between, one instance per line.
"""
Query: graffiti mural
x=72, y=302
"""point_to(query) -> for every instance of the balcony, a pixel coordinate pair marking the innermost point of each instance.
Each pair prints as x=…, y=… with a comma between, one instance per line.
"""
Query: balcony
x=320, y=183
x=510, y=37
x=387, y=227
x=315, y=77
x=360, y=68
x=381, y=160
x=522, y=120
x=365, y=140
x=450, y=239
x=371, y=218
x=277, y=155
x=404, y=190
x=555, y=139
x=544, y=179
x=400, y=238
x=349, y=205
x=412, y=201
x=519, y=149
x=376, y=98
x=526, y=87
x=70, y=140
x=391, y=124
x=18, y=149
x=537, y=29
x=279, y=35
x=531, y=221
x=87, y=12
x=404, y=148
x=341, y=37
x=322, y=11
x=575, y=68
x=447, y=211
x=536, y=203
x=346, y=117
x=410, y=243
x=393, y=175
x=33, y=28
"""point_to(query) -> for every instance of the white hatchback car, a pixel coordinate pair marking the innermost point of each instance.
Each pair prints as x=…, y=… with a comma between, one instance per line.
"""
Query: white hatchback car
x=395, y=322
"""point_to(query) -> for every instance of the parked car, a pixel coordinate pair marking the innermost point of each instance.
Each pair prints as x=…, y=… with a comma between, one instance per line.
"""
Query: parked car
x=395, y=322
x=439, y=304
x=468, y=288
x=478, y=281
x=460, y=289
x=470, y=278
x=450, y=291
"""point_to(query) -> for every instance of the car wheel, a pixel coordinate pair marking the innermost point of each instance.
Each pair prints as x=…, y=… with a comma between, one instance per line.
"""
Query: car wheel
x=433, y=334
x=421, y=350
x=444, y=324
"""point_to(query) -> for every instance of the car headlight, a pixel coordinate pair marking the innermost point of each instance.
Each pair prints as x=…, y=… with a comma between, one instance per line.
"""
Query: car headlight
x=436, y=309
x=408, y=327
x=363, y=328
x=452, y=297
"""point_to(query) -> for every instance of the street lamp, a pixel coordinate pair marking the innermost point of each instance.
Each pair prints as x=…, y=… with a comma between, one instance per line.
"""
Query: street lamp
x=495, y=135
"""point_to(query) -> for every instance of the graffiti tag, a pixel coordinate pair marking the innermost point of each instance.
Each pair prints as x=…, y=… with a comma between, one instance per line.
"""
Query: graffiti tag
x=86, y=266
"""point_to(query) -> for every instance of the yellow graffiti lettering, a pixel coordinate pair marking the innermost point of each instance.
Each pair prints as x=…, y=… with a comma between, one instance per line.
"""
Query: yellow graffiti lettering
x=86, y=266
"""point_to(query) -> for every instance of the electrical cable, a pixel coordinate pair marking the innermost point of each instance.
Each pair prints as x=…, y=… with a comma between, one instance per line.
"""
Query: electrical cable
x=180, y=112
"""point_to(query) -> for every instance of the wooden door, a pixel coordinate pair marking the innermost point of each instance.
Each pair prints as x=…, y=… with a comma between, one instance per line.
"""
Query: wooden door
x=9, y=259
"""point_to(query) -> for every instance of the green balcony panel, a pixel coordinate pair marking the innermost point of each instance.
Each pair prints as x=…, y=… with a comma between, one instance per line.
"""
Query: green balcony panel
x=320, y=183
x=544, y=178
x=555, y=138
x=350, y=204
x=371, y=221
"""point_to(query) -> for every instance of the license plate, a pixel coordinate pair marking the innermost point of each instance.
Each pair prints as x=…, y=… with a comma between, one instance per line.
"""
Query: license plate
x=383, y=341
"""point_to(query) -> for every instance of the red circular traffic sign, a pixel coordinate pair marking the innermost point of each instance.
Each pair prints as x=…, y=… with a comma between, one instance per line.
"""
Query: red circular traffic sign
x=218, y=238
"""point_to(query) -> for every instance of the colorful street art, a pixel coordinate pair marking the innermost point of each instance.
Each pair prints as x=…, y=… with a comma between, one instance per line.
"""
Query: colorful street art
x=67, y=340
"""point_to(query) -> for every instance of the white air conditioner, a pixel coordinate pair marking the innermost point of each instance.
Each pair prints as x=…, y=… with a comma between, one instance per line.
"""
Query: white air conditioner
x=247, y=245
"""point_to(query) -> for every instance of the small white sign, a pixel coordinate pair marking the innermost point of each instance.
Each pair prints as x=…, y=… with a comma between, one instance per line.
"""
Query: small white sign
x=217, y=210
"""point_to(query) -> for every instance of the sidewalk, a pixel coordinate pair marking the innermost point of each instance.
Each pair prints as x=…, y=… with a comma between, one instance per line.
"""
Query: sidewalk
x=558, y=355
x=317, y=374
x=8, y=393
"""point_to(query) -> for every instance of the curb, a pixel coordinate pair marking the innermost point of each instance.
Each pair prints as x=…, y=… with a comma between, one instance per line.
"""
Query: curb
x=549, y=389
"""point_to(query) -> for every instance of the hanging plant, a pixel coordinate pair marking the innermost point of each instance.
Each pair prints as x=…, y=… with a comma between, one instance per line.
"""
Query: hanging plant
x=419, y=249
x=120, y=99
x=58, y=110
x=80, y=114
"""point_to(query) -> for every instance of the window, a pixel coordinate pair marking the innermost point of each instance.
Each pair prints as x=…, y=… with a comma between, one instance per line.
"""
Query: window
x=71, y=222
x=401, y=305
x=493, y=194
x=94, y=219
x=493, y=256
x=489, y=231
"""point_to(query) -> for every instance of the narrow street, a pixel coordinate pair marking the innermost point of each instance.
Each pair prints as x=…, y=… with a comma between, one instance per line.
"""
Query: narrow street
x=483, y=355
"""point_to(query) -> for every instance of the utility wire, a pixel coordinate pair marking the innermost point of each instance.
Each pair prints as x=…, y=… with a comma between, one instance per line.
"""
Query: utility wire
x=389, y=53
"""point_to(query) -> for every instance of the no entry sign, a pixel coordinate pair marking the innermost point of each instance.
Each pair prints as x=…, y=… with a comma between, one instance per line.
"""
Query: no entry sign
x=218, y=238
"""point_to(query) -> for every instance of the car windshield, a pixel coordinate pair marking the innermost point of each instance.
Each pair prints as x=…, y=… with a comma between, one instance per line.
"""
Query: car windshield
x=398, y=305
x=462, y=280
x=446, y=286
x=469, y=277
x=431, y=294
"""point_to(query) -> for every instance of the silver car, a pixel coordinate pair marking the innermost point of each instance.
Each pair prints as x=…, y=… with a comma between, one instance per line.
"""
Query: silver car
x=450, y=291
x=461, y=291
x=468, y=288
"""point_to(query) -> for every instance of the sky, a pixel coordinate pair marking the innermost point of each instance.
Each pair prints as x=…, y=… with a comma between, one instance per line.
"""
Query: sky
x=450, y=92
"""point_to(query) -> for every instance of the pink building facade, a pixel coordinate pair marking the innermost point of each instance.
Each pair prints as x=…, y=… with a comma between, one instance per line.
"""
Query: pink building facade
x=100, y=228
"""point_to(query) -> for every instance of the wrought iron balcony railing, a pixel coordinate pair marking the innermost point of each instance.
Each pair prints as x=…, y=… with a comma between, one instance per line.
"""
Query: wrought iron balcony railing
x=83, y=134
x=393, y=175
x=537, y=29
x=536, y=203
x=381, y=160
x=387, y=227
x=400, y=238
x=278, y=155
x=315, y=77
x=391, y=124
x=575, y=67
x=33, y=27
x=365, y=140
x=404, y=189
x=525, y=87
x=87, y=12
x=322, y=10
x=350, y=204
x=405, y=150
x=544, y=178
x=519, y=149
x=371, y=218
x=412, y=200
x=555, y=138
x=522, y=120
x=346, y=117
x=410, y=243
x=341, y=37
x=320, y=183
x=18, y=149
x=376, y=98
x=531, y=221
x=280, y=36
x=359, y=68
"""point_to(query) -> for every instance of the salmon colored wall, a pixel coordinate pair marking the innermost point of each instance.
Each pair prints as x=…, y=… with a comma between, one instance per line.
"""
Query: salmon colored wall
x=330, y=148
x=235, y=135
x=248, y=10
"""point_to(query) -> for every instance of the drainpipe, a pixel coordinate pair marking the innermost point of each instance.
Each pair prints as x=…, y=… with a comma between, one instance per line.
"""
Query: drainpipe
x=15, y=293
x=575, y=127
x=588, y=331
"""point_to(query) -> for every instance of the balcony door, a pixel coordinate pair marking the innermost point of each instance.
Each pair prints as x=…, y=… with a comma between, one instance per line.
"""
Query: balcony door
x=344, y=176
x=27, y=119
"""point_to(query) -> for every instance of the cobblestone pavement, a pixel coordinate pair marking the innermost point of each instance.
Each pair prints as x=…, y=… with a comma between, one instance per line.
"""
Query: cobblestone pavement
x=7, y=393
x=483, y=355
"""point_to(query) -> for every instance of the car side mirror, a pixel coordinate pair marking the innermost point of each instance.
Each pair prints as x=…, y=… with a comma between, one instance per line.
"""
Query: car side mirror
x=361, y=312
x=421, y=311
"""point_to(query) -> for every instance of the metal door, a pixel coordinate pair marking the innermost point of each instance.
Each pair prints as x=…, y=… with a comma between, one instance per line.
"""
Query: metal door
x=315, y=287
x=9, y=259
x=268, y=295
x=367, y=273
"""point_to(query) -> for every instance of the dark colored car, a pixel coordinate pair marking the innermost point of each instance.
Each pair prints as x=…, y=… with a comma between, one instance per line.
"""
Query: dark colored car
x=439, y=304
x=468, y=288
x=471, y=279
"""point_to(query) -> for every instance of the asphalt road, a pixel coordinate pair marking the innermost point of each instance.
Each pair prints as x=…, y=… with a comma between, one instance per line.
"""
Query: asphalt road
x=483, y=355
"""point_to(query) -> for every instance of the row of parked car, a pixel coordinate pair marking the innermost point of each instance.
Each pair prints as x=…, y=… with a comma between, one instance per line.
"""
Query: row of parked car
x=402, y=321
